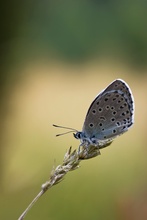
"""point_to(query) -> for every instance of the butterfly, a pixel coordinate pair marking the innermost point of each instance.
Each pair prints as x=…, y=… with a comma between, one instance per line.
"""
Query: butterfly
x=110, y=114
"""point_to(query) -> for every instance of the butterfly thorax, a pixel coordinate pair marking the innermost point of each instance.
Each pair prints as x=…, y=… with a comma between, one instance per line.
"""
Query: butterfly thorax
x=87, y=141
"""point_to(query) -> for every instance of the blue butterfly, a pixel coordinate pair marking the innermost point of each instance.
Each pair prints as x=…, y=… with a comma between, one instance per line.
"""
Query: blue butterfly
x=110, y=114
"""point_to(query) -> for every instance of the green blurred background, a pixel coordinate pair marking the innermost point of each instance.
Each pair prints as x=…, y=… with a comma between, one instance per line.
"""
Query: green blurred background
x=55, y=57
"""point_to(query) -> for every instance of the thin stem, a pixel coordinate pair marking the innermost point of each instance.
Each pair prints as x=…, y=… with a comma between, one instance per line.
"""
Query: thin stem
x=70, y=162
x=31, y=204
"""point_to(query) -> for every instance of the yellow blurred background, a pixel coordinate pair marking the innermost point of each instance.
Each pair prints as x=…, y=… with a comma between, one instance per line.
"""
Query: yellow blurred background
x=52, y=68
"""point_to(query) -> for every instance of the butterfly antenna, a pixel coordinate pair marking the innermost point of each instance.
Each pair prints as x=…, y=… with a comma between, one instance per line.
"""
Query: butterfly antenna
x=71, y=130
x=57, y=135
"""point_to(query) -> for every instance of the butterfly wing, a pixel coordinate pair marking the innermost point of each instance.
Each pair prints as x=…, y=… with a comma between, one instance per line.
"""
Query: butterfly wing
x=111, y=113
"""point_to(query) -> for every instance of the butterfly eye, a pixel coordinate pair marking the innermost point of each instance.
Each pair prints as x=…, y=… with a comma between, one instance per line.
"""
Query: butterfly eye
x=77, y=135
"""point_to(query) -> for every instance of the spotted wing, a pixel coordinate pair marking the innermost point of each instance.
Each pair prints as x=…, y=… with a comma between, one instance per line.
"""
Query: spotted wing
x=111, y=113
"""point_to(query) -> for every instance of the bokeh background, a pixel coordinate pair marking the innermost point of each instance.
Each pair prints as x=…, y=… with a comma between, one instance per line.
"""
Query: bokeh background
x=56, y=56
